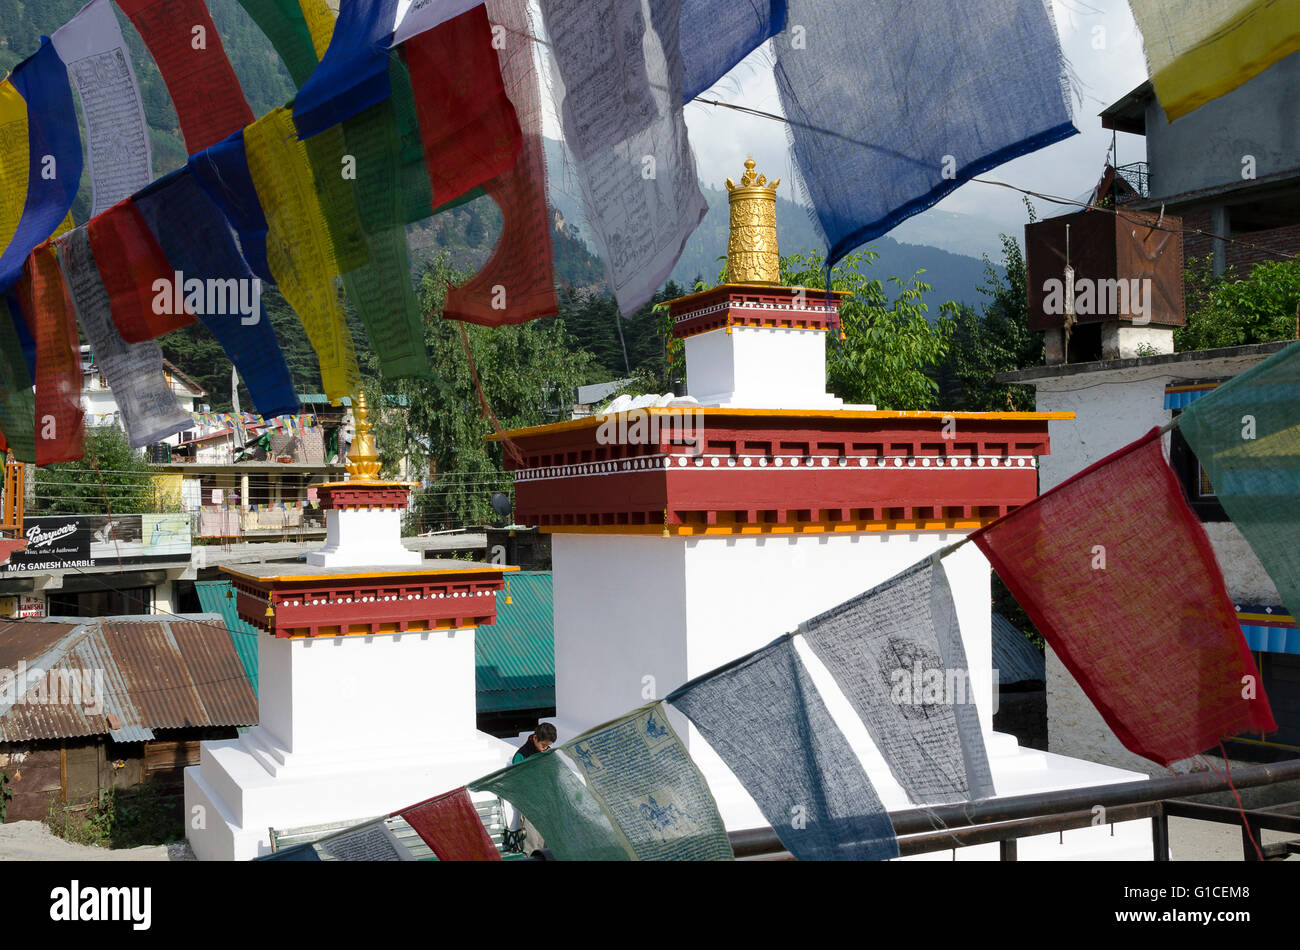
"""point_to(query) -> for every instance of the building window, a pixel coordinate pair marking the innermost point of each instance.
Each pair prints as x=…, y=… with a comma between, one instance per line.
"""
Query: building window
x=1196, y=484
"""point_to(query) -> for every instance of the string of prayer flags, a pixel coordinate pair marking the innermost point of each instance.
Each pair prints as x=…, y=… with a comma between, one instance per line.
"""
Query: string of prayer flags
x=43, y=296
x=717, y=36
x=1133, y=605
x=134, y=371
x=633, y=162
x=467, y=121
x=799, y=768
x=450, y=825
x=640, y=772
x=17, y=402
x=185, y=44
x=353, y=72
x=53, y=162
x=1247, y=438
x=1198, y=50
x=286, y=27
x=563, y=810
x=299, y=251
x=131, y=264
x=117, y=137
x=222, y=172
x=517, y=282
x=897, y=654
x=424, y=15
x=198, y=245
x=1000, y=93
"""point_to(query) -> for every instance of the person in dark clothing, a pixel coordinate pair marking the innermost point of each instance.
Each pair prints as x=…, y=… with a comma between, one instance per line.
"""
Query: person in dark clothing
x=522, y=835
x=539, y=741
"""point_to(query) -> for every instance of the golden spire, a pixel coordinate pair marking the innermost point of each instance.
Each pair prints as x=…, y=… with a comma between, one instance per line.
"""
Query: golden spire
x=752, y=256
x=363, y=461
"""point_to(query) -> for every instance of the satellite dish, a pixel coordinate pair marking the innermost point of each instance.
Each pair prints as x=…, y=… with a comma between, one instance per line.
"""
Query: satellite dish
x=501, y=505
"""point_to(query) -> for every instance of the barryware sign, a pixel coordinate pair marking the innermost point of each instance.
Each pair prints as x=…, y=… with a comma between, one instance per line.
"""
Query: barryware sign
x=67, y=542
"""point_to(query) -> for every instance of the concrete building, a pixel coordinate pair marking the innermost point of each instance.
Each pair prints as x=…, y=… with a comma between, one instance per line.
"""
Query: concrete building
x=1231, y=168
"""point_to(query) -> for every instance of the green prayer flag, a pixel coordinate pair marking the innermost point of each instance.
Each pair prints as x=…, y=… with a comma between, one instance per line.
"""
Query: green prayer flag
x=17, y=401
x=285, y=26
x=570, y=820
x=1246, y=434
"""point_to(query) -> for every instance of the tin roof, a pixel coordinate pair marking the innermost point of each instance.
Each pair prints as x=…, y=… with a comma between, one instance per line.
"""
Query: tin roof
x=218, y=597
x=515, y=657
x=124, y=676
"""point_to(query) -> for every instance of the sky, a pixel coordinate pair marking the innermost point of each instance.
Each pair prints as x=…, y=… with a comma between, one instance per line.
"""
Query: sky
x=1104, y=50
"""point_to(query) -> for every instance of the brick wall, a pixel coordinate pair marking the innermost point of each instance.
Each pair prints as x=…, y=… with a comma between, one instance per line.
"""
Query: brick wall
x=1273, y=244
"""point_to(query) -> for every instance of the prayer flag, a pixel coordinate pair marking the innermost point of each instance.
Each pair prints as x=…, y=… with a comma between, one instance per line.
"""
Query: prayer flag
x=53, y=159
x=1246, y=435
x=424, y=15
x=353, y=72
x=1198, y=50
x=799, y=768
x=299, y=250
x=618, y=80
x=198, y=246
x=517, y=283
x=53, y=324
x=653, y=792
x=17, y=403
x=286, y=27
x=450, y=825
x=950, y=91
x=15, y=153
x=897, y=654
x=188, y=50
x=1119, y=576
x=134, y=371
x=131, y=264
x=117, y=137
x=564, y=811
x=716, y=36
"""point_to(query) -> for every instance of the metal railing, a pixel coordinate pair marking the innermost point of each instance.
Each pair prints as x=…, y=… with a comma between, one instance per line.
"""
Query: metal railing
x=1138, y=176
x=1005, y=820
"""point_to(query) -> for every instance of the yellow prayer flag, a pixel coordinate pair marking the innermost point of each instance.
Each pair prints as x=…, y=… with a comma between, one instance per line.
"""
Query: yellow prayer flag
x=298, y=247
x=1199, y=50
x=320, y=23
x=15, y=161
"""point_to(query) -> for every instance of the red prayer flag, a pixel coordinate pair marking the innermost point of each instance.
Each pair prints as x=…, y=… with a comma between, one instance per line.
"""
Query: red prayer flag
x=47, y=309
x=187, y=48
x=1118, y=575
x=467, y=121
x=517, y=283
x=130, y=261
x=450, y=825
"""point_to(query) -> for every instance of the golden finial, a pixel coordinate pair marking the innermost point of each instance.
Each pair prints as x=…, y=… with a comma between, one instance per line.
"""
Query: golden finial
x=363, y=461
x=752, y=255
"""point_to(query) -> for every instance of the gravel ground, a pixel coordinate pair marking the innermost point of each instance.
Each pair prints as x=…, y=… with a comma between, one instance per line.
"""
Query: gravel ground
x=33, y=841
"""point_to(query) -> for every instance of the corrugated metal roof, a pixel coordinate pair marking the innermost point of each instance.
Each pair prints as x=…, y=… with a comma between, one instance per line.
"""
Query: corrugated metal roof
x=1014, y=657
x=214, y=600
x=515, y=657
x=124, y=676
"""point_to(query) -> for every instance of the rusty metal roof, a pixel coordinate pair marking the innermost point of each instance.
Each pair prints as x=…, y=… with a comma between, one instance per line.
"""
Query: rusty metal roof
x=124, y=676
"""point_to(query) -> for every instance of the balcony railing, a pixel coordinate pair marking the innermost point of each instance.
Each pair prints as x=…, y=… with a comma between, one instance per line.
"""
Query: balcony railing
x=1137, y=176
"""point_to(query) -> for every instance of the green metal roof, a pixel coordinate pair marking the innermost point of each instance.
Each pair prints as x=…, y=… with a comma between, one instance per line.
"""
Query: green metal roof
x=213, y=597
x=515, y=657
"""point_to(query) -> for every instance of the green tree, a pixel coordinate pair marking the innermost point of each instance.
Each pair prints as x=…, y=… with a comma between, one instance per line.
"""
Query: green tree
x=890, y=348
x=527, y=373
x=995, y=341
x=1228, y=310
x=112, y=478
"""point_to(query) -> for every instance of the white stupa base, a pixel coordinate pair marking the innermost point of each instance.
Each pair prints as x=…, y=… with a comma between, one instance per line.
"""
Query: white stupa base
x=760, y=368
x=364, y=537
x=244, y=787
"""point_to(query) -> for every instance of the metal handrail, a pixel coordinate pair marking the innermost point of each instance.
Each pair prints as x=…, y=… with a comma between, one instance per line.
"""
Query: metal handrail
x=923, y=830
